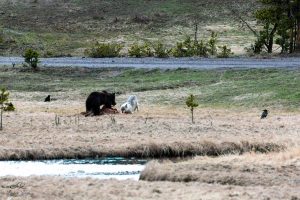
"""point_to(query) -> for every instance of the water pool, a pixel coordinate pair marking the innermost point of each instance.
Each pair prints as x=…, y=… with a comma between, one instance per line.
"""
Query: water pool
x=104, y=168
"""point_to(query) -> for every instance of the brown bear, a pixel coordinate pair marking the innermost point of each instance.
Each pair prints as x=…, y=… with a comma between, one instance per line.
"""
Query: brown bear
x=97, y=99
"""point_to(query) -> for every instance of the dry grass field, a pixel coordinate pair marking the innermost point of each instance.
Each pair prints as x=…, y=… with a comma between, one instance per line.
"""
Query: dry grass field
x=49, y=188
x=229, y=153
x=155, y=131
x=31, y=133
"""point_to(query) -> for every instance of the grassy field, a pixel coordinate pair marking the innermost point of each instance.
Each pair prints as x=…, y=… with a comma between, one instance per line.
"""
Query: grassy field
x=247, y=88
x=58, y=28
x=229, y=153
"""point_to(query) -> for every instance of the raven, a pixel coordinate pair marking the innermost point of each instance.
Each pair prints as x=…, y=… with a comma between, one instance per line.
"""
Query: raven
x=264, y=114
x=47, y=99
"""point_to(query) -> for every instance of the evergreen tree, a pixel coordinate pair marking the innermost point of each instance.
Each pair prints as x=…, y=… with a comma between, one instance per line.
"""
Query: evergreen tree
x=279, y=18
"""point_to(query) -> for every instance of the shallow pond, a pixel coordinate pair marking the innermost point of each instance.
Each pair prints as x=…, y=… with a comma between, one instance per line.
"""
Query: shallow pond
x=116, y=167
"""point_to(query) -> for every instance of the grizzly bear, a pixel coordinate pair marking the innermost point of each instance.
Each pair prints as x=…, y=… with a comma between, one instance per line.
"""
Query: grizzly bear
x=97, y=99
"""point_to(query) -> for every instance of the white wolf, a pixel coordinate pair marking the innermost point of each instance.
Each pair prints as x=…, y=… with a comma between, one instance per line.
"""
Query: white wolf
x=131, y=105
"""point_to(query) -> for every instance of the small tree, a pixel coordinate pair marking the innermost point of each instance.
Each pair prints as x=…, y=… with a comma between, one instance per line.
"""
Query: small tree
x=31, y=58
x=4, y=105
x=191, y=103
x=201, y=49
x=212, y=43
x=184, y=49
x=160, y=50
x=225, y=52
x=103, y=50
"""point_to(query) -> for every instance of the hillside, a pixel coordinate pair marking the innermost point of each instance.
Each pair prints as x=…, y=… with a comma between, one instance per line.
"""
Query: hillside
x=60, y=27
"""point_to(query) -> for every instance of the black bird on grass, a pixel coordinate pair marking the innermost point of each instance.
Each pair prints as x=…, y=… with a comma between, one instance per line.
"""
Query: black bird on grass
x=47, y=99
x=264, y=114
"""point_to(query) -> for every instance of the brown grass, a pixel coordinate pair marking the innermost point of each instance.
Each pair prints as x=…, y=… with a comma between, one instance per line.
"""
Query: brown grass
x=246, y=170
x=49, y=188
x=154, y=131
x=144, y=150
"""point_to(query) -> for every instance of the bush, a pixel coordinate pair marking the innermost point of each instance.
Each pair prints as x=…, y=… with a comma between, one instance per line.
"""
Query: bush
x=201, y=49
x=32, y=58
x=256, y=48
x=184, y=49
x=212, y=43
x=135, y=50
x=161, y=51
x=138, y=51
x=102, y=50
x=148, y=50
x=225, y=52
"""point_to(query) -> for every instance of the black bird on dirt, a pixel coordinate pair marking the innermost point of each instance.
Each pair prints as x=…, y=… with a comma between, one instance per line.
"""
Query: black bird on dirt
x=47, y=99
x=264, y=114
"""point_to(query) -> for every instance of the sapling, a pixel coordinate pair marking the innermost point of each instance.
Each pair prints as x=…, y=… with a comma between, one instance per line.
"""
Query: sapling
x=4, y=104
x=191, y=103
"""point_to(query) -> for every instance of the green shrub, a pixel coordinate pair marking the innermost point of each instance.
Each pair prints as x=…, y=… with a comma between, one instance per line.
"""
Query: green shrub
x=148, y=50
x=212, y=43
x=138, y=51
x=135, y=50
x=255, y=48
x=31, y=58
x=225, y=52
x=201, y=49
x=48, y=54
x=161, y=51
x=102, y=50
x=184, y=49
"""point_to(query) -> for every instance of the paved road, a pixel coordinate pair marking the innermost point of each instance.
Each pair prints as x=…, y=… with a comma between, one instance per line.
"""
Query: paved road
x=168, y=63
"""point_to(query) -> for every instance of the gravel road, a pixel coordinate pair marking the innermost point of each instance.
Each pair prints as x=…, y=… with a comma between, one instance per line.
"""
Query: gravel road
x=167, y=63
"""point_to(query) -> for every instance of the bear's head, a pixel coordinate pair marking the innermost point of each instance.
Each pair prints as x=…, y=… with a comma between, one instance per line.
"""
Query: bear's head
x=112, y=99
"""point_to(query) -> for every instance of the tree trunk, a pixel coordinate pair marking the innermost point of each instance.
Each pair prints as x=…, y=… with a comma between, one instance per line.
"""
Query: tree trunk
x=192, y=110
x=196, y=33
x=292, y=41
x=270, y=41
x=270, y=45
x=1, y=113
x=297, y=27
x=297, y=38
